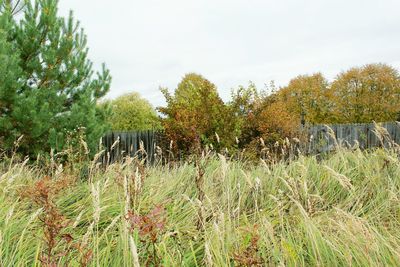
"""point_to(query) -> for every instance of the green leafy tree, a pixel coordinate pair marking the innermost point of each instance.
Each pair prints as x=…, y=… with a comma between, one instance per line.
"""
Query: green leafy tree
x=246, y=105
x=196, y=116
x=54, y=90
x=131, y=112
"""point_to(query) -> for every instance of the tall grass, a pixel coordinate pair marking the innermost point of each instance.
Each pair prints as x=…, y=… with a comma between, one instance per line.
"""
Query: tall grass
x=340, y=211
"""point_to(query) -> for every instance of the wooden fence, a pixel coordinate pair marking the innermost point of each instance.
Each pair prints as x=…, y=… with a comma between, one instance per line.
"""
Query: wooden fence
x=118, y=145
x=323, y=138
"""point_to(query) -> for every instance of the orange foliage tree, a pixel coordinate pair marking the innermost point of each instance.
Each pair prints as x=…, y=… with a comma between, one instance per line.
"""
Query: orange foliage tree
x=195, y=112
x=275, y=122
x=259, y=115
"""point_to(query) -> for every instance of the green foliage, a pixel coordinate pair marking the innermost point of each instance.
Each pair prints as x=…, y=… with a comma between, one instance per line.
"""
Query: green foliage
x=196, y=116
x=9, y=77
x=12, y=6
x=131, y=112
x=246, y=105
x=54, y=91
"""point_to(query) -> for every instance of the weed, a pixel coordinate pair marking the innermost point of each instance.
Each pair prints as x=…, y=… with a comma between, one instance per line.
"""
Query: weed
x=150, y=227
x=248, y=255
x=43, y=194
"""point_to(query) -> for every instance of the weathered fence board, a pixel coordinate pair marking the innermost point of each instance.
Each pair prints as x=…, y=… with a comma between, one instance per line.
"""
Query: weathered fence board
x=324, y=138
x=118, y=145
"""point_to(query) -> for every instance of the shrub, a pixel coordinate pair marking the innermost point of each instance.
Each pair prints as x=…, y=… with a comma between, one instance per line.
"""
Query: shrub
x=131, y=112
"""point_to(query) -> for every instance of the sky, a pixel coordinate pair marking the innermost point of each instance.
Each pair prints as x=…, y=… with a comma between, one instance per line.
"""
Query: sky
x=151, y=43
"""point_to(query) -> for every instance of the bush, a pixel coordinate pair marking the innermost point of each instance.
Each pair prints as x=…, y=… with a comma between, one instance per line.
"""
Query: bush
x=131, y=112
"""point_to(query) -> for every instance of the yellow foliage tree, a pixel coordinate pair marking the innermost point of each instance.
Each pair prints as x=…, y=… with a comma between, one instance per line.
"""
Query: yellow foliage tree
x=366, y=94
x=307, y=97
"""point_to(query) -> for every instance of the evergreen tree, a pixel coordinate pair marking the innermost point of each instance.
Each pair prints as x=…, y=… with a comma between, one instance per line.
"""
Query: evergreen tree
x=51, y=90
x=13, y=6
x=9, y=77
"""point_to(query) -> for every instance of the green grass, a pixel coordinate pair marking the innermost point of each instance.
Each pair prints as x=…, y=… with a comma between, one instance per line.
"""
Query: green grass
x=341, y=211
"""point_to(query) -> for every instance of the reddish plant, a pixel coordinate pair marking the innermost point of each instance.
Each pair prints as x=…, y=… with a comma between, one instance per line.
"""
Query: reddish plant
x=149, y=227
x=85, y=254
x=248, y=255
x=43, y=194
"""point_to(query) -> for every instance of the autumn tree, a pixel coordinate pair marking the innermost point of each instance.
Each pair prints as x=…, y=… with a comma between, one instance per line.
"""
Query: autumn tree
x=131, y=112
x=276, y=121
x=49, y=89
x=262, y=116
x=306, y=97
x=195, y=115
x=246, y=105
x=365, y=94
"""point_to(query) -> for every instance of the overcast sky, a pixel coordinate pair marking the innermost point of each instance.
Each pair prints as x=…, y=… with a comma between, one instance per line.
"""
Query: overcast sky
x=152, y=43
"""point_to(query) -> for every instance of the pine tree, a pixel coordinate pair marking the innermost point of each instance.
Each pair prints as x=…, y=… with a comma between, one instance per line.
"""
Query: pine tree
x=14, y=6
x=52, y=91
x=9, y=79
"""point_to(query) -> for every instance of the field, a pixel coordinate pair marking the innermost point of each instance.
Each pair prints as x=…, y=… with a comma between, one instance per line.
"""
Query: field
x=342, y=210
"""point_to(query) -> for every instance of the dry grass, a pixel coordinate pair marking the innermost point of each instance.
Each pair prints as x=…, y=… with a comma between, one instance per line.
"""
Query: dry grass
x=340, y=211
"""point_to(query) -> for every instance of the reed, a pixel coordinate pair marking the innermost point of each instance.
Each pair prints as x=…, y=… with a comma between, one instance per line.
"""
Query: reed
x=340, y=210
